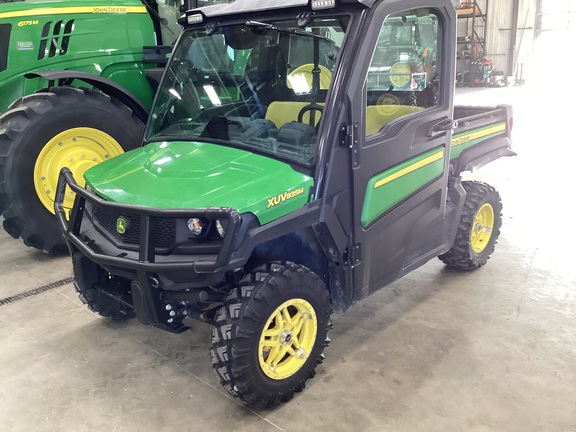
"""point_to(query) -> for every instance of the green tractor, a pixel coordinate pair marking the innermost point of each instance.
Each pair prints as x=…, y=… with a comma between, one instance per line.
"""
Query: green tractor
x=77, y=78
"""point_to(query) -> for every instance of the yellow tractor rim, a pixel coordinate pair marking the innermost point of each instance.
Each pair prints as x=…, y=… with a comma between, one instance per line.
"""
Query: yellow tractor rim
x=482, y=228
x=287, y=339
x=305, y=70
x=78, y=149
x=400, y=74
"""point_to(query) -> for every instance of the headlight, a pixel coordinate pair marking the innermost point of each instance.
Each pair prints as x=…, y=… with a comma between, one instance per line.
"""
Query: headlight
x=195, y=226
x=221, y=227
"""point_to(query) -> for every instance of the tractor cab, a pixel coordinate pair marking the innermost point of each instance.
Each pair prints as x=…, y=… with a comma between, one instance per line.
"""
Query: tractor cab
x=262, y=84
x=254, y=85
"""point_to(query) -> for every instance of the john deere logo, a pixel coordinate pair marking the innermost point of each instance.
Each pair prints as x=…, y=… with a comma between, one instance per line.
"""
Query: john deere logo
x=121, y=225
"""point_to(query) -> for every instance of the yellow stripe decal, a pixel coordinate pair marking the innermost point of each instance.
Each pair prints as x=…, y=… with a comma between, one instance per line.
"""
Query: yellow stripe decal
x=426, y=161
x=463, y=139
x=75, y=10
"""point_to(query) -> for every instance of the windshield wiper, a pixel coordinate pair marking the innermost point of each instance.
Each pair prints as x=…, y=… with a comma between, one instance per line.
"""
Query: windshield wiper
x=284, y=30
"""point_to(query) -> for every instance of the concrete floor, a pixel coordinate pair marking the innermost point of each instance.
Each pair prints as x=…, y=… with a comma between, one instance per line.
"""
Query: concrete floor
x=439, y=350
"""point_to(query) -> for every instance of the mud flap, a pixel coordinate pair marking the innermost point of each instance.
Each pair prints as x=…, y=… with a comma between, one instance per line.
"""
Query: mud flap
x=85, y=272
x=143, y=304
x=479, y=155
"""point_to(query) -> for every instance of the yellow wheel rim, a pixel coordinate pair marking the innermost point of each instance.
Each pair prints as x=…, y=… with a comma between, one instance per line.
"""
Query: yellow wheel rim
x=287, y=339
x=482, y=228
x=400, y=74
x=78, y=149
x=306, y=71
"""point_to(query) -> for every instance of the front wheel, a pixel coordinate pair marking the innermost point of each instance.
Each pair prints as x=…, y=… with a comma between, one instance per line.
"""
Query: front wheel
x=41, y=134
x=478, y=229
x=270, y=333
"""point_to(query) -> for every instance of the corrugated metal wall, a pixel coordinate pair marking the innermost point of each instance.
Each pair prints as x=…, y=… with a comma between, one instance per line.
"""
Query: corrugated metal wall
x=501, y=29
x=499, y=32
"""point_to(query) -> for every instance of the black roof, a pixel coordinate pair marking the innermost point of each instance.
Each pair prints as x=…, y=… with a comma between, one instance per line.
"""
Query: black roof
x=244, y=6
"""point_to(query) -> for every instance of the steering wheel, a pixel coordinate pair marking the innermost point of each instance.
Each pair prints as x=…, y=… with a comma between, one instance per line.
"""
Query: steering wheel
x=311, y=107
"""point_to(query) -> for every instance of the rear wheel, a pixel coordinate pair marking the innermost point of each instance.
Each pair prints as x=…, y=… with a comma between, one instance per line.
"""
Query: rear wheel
x=270, y=333
x=478, y=229
x=41, y=134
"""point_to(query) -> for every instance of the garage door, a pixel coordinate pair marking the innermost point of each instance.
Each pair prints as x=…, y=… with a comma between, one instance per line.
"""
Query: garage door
x=551, y=63
x=556, y=15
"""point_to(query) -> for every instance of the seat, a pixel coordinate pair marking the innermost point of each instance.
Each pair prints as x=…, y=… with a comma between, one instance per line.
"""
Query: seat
x=378, y=116
x=282, y=112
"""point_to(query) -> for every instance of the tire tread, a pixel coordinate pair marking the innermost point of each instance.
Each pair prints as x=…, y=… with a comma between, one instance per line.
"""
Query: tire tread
x=23, y=113
x=460, y=255
x=236, y=322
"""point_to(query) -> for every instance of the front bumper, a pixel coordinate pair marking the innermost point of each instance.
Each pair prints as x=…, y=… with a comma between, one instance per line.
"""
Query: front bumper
x=159, y=283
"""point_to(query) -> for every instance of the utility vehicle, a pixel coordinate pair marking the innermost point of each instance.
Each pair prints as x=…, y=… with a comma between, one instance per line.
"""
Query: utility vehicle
x=48, y=50
x=287, y=171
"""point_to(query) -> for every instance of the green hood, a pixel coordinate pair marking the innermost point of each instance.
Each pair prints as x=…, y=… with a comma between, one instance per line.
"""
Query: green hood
x=180, y=175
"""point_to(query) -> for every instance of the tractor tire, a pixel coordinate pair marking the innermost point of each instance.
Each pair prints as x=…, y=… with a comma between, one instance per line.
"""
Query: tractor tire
x=478, y=229
x=44, y=132
x=270, y=333
x=105, y=306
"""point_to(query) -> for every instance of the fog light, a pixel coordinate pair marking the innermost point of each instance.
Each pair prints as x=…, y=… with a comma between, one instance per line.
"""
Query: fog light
x=195, y=226
x=221, y=228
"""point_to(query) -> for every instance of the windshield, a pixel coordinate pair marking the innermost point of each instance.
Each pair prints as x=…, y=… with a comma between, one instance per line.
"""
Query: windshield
x=256, y=86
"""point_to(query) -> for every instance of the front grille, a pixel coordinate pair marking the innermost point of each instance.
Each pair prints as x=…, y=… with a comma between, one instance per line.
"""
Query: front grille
x=5, y=30
x=164, y=232
x=55, y=39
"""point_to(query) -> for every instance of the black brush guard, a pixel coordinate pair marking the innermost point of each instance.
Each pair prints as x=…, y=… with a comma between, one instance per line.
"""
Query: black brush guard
x=148, y=301
x=147, y=260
